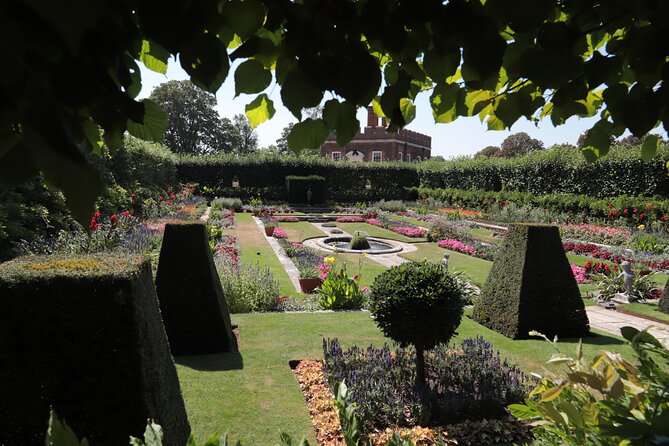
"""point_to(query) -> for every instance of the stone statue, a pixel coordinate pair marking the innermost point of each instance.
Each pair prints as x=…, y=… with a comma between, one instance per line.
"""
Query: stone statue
x=628, y=277
x=309, y=195
x=445, y=259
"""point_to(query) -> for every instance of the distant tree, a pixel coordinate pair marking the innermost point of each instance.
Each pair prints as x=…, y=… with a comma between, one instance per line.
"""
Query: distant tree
x=193, y=125
x=519, y=144
x=282, y=142
x=246, y=137
x=489, y=151
x=630, y=141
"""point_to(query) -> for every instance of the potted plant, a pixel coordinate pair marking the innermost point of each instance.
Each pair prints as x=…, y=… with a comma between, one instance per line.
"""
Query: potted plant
x=310, y=278
x=269, y=227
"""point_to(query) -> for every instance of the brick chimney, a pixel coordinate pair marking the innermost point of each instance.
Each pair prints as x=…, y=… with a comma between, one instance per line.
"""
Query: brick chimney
x=372, y=119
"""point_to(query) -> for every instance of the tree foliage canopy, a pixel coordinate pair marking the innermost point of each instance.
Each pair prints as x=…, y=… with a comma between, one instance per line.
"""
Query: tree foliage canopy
x=193, y=125
x=498, y=59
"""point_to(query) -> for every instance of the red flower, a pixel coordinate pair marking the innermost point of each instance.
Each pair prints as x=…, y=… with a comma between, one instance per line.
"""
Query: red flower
x=663, y=218
x=649, y=207
x=172, y=196
x=169, y=203
x=355, y=277
x=636, y=211
x=125, y=214
x=642, y=216
x=113, y=218
x=161, y=199
x=625, y=211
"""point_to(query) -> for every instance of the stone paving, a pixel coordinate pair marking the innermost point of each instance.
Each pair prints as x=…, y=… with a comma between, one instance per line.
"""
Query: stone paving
x=286, y=262
x=612, y=321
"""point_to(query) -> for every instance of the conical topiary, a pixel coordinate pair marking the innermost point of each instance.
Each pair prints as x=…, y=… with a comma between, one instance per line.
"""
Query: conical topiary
x=663, y=304
x=531, y=287
x=195, y=313
x=83, y=334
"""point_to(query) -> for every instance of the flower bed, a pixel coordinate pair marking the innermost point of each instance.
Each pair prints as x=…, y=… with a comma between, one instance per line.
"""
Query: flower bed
x=409, y=232
x=286, y=218
x=350, y=219
x=456, y=245
x=466, y=382
x=579, y=274
x=279, y=233
x=597, y=234
x=226, y=250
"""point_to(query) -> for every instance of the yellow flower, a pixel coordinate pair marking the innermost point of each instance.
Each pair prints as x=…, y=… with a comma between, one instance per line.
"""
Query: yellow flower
x=642, y=227
x=364, y=254
x=330, y=260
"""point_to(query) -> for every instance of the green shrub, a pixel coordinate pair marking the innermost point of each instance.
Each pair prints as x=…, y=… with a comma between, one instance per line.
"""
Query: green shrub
x=608, y=285
x=226, y=203
x=359, y=242
x=84, y=335
x=248, y=288
x=663, y=304
x=606, y=401
x=419, y=304
x=298, y=187
x=531, y=287
x=190, y=292
x=340, y=292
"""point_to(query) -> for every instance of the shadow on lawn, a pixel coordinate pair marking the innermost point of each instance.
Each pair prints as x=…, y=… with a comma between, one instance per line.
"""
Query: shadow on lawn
x=212, y=363
x=595, y=339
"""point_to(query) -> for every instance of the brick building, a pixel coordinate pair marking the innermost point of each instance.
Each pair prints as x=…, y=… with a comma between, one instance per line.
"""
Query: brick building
x=375, y=144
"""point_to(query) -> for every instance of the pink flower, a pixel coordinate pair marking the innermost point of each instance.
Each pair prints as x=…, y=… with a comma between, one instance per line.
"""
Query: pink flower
x=579, y=274
x=350, y=220
x=457, y=245
x=279, y=233
x=409, y=232
x=374, y=221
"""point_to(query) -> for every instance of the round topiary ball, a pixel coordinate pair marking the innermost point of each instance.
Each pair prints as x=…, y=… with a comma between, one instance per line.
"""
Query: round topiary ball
x=359, y=242
x=417, y=303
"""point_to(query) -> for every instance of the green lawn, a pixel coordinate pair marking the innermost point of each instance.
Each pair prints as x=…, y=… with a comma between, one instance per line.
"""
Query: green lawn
x=485, y=235
x=300, y=230
x=646, y=309
x=370, y=269
x=415, y=221
x=375, y=231
x=253, y=248
x=254, y=395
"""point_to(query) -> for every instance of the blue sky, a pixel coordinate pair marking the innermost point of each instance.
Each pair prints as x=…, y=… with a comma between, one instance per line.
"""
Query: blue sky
x=465, y=136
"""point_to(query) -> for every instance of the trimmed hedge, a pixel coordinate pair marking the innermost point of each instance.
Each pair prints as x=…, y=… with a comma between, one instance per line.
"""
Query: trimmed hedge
x=663, y=304
x=265, y=176
x=559, y=170
x=297, y=189
x=196, y=315
x=83, y=334
x=531, y=287
x=573, y=204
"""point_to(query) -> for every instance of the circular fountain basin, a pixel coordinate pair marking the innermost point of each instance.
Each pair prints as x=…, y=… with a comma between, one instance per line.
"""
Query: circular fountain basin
x=377, y=246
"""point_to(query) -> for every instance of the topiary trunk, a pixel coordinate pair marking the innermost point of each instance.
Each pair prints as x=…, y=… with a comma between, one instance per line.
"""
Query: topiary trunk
x=421, y=383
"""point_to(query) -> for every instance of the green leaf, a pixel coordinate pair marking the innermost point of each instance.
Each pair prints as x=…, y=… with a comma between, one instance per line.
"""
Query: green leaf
x=444, y=102
x=297, y=92
x=376, y=105
x=154, y=57
x=153, y=434
x=93, y=135
x=440, y=65
x=251, y=77
x=342, y=118
x=494, y=123
x=60, y=434
x=523, y=412
x=214, y=440
x=245, y=17
x=408, y=110
x=154, y=124
x=649, y=147
x=308, y=134
x=260, y=110
x=205, y=58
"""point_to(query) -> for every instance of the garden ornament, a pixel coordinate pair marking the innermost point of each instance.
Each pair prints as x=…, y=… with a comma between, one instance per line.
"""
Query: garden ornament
x=628, y=277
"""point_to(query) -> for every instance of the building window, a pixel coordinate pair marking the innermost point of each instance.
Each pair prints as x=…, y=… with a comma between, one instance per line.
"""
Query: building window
x=377, y=156
x=408, y=157
x=336, y=156
x=401, y=158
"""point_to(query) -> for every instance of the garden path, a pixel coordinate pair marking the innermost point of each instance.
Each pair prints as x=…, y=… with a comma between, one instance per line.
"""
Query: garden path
x=285, y=261
x=387, y=260
x=612, y=321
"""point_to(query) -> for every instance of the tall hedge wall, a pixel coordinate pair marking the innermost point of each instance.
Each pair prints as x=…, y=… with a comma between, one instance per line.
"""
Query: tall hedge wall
x=266, y=176
x=558, y=170
x=554, y=171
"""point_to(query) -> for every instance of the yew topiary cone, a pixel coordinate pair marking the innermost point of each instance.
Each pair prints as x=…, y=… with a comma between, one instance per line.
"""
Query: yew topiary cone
x=195, y=313
x=663, y=304
x=83, y=334
x=531, y=287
